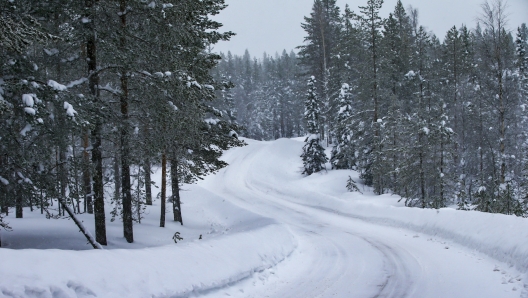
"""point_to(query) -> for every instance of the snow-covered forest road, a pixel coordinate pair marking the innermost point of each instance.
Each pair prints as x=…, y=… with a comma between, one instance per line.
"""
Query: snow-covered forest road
x=259, y=228
x=340, y=254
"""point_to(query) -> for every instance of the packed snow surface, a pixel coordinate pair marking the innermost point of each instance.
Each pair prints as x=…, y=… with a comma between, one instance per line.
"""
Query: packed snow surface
x=268, y=231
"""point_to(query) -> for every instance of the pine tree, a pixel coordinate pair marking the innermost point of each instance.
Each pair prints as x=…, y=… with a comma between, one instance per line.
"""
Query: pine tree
x=499, y=88
x=395, y=51
x=314, y=157
x=317, y=55
x=343, y=152
x=369, y=145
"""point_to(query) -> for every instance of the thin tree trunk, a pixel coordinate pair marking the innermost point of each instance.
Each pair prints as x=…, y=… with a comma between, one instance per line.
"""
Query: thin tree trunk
x=98, y=187
x=125, y=165
x=138, y=196
x=117, y=175
x=97, y=158
x=31, y=202
x=41, y=202
x=148, y=182
x=147, y=169
x=18, y=203
x=176, y=202
x=163, y=188
x=422, y=178
x=80, y=225
x=455, y=99
x=87, y=180
x=76, y=171
x=441, y=171
x=125, y=146
x=502, y=111
x=63, y=176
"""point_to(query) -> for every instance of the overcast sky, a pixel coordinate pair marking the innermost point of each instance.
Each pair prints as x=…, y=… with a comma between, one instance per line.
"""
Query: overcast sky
x=274, y=25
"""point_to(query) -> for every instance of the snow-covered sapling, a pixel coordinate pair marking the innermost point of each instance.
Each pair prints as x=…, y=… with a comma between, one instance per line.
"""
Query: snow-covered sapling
x=352, y=186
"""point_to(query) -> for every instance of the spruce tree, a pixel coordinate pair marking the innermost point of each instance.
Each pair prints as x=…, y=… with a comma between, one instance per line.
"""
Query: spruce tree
x=343, y=152
x=369, y=146
x=314, y=157
x=323, y=29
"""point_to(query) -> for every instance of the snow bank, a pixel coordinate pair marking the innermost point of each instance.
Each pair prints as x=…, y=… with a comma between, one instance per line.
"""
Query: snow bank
x=177, y=270
x=235, y=245
x=502, y=237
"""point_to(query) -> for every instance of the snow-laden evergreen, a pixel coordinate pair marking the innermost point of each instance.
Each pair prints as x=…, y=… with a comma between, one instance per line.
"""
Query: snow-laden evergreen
x=343, y=153
x=314, y=157
x=430, y=120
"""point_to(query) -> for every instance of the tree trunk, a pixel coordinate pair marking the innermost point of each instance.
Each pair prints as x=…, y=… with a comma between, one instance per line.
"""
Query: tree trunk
x=117, y=175
x=422, y=179
x=63, y=176
x=80, y=225
x=97, y=158
x=148, y=182
x=76, y=175
x=125, y=165
x=98, y=187
x=125, y=146
x=176, y=202
x=87, y=180
x=163, y=188
x=18, y=202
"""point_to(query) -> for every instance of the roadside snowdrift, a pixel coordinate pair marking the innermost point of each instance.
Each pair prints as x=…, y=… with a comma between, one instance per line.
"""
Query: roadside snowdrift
x=236, y=244
x=169, y=271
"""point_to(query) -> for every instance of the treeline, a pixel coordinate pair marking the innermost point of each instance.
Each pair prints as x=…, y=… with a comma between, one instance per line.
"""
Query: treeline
x=437, y=122
x=93, y=94
x=266, y=95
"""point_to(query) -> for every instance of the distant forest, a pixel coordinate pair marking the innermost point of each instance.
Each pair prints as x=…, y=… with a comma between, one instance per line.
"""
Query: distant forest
x=437, y=122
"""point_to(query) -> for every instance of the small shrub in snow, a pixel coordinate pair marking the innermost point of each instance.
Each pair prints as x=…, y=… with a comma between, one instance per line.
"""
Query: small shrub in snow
x=352, y=186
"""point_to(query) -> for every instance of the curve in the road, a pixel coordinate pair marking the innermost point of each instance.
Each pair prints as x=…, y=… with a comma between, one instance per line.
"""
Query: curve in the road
x=338, y=255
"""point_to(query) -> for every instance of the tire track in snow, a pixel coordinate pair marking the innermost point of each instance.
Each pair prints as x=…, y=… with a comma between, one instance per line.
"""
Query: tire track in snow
x=331, y=257
x=402, y=271
x=400, y=279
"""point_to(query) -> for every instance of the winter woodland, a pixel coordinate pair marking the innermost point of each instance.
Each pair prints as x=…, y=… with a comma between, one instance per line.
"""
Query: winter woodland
x=436, y=120
x=120, y=113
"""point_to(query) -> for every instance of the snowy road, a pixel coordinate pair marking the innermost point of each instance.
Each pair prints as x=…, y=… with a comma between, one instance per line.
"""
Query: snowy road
x=340, y=254
x=268, y=231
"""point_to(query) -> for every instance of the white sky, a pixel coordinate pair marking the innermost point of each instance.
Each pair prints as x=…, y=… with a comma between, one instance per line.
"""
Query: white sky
x=273, y=25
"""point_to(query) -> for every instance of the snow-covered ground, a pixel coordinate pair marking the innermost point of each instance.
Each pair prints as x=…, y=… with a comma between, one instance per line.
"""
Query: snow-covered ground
x=267, y=231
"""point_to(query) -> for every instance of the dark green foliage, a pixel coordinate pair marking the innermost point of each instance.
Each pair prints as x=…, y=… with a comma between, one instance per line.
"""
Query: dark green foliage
x=352, y=186
x=124, y=96
x=343, y=152
x=431, y=121
x=313, y=157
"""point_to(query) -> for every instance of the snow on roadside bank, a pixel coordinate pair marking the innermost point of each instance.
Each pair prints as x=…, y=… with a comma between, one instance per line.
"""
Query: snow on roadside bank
x=236, y=244
x=168, y=271
x=502, y=237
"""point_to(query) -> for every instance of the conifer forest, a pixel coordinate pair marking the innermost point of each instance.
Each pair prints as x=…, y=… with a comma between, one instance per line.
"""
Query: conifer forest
x=135, y=90
x=436, y=120
x=347, y=166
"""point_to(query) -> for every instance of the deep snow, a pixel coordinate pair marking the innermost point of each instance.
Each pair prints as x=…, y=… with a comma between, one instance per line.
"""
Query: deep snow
x=270, y=232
